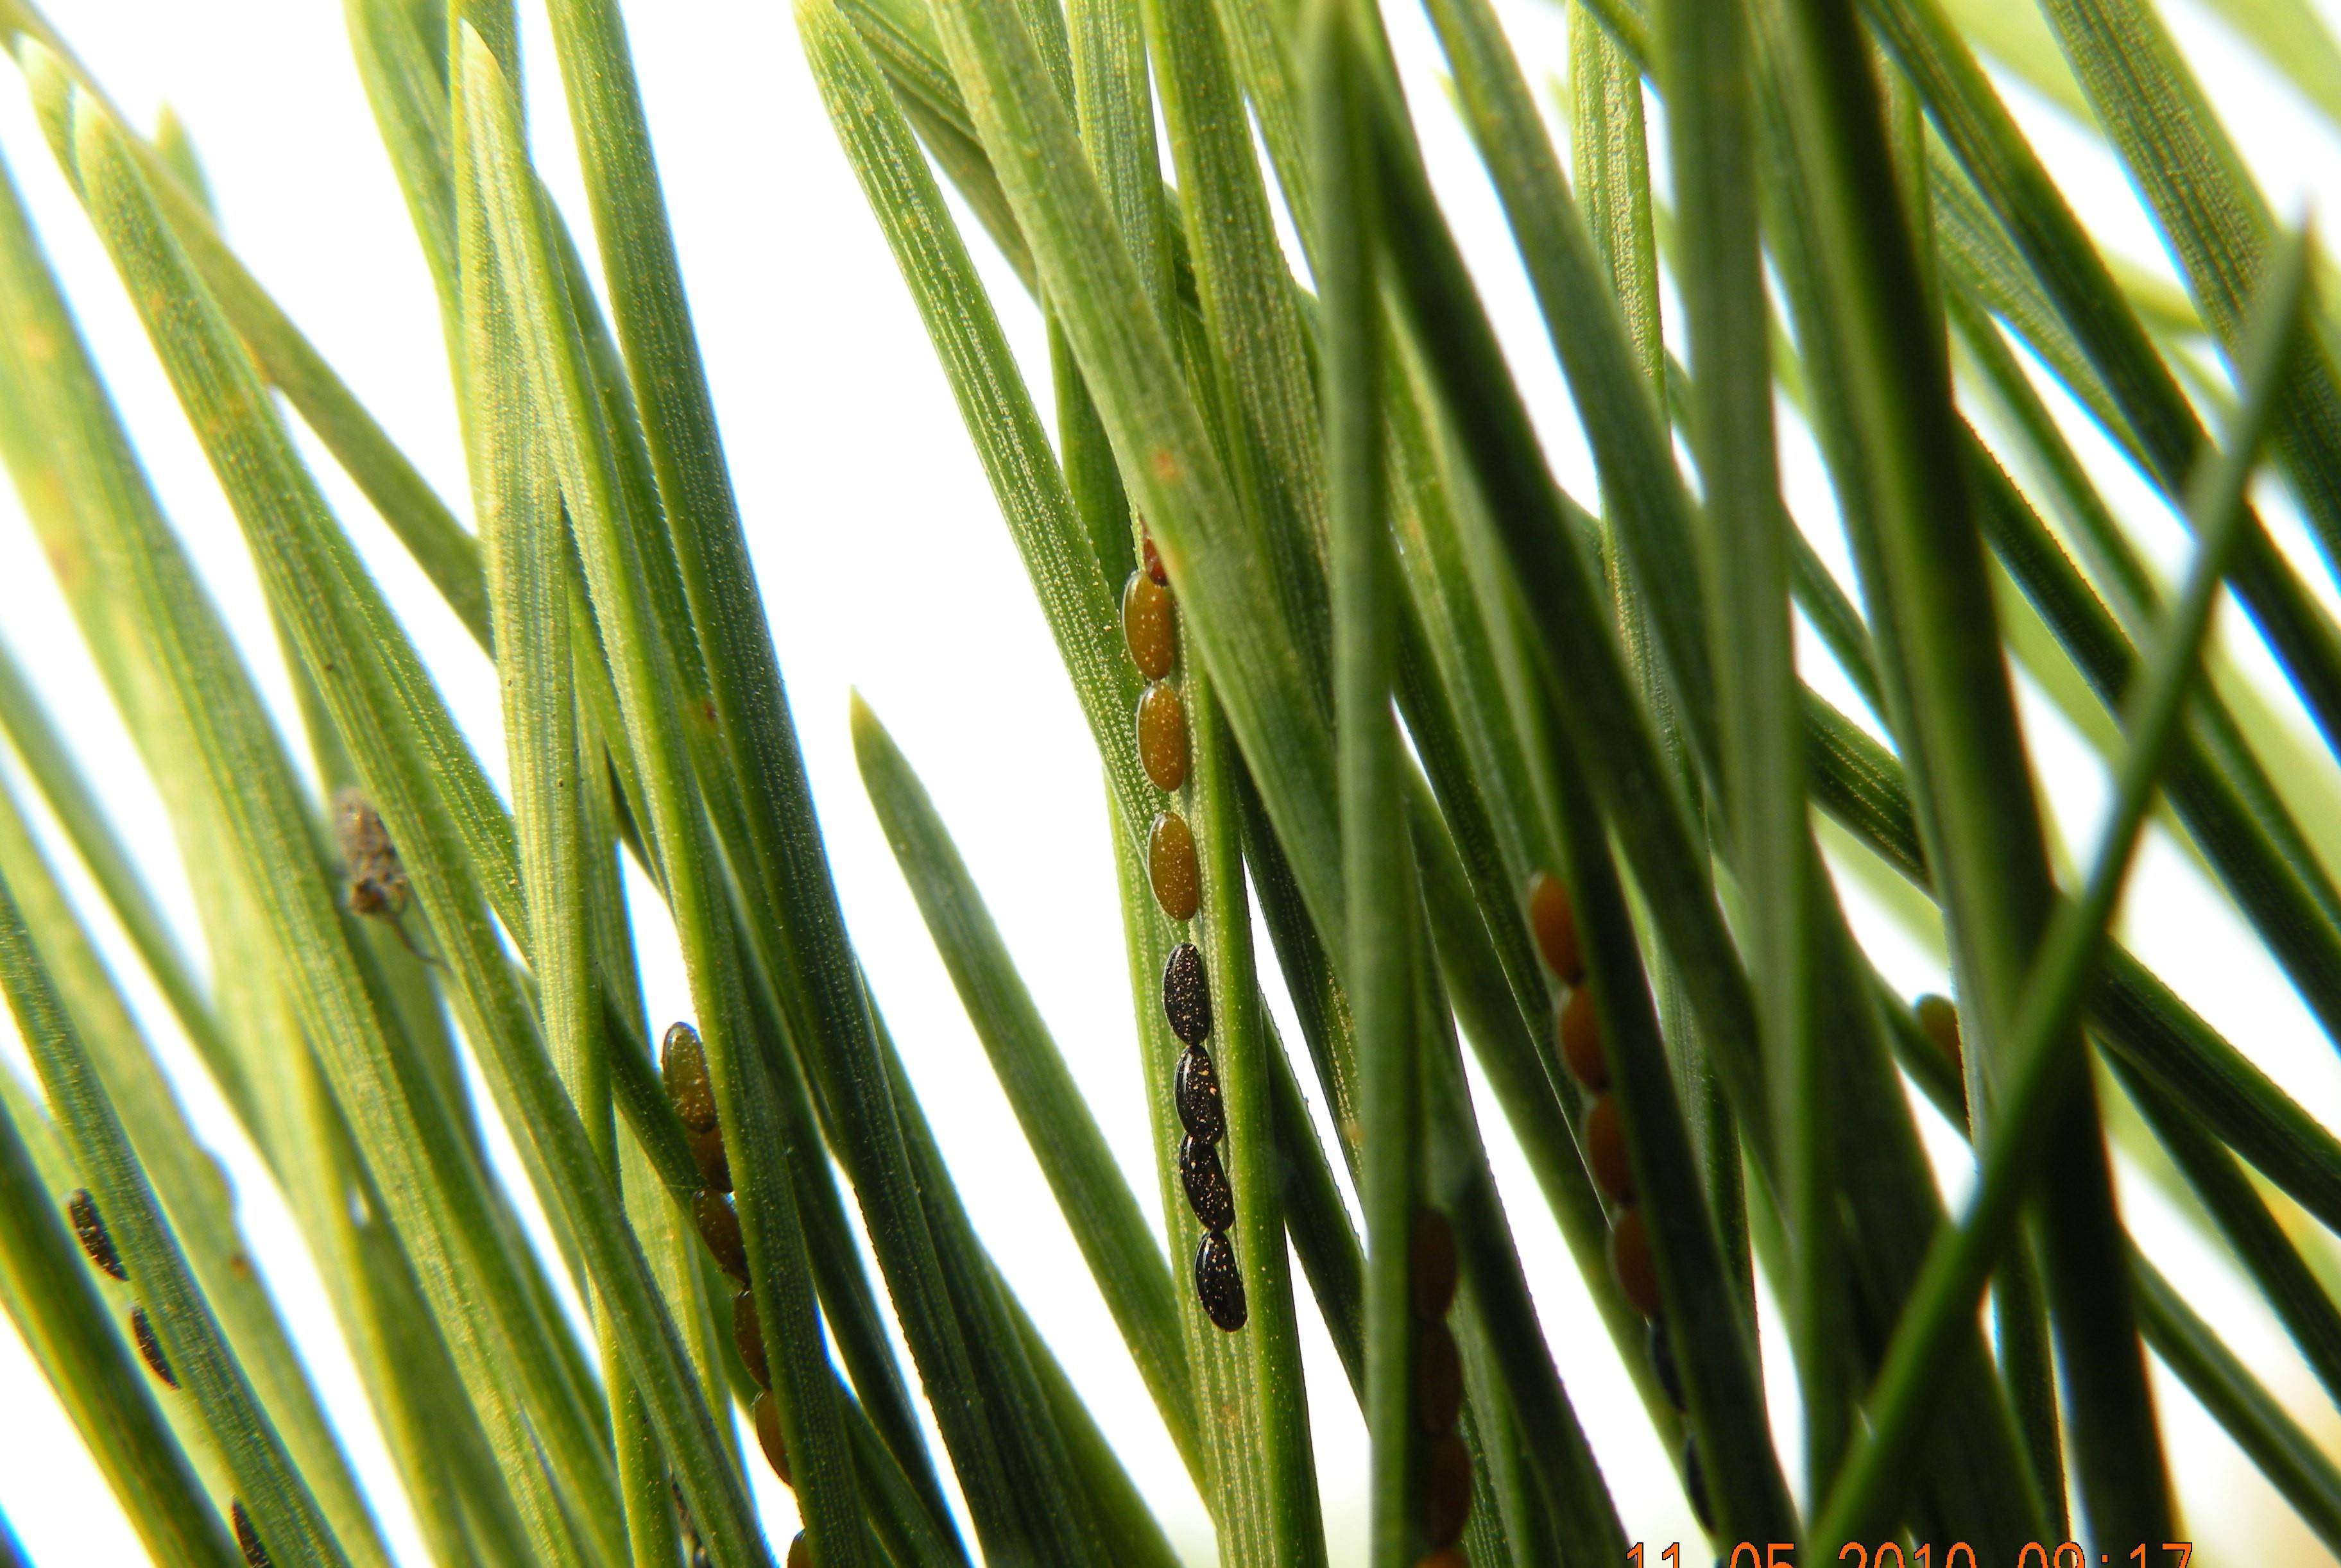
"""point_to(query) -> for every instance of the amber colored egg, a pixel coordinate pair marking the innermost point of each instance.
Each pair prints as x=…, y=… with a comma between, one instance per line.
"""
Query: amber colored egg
x=1554, y=926
x=1171, y=867
x=800, y=1552
x=1152, y=556
x=1438, y=1377
x=1452, y=1557
x=1430, y=1264
x=1605, y=1150
x=748, y=1333
x=1446, y=1490
x=719, y=1227
x=1162, y=737
x=1148, y=626
x=682, y=1064
x=1637, y=1272
x=1939, y=1017
x=1581, y=1040
x=767, y=1416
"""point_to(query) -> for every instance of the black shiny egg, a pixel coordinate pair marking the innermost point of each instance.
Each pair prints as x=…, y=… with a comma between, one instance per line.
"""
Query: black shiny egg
x=1206, y=1181
x=1195, y=1091
x=1187, y=995
x=1218, y=1283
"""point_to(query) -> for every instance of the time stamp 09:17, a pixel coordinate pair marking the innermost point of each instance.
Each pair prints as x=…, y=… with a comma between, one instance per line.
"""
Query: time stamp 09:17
x=1959, y=1555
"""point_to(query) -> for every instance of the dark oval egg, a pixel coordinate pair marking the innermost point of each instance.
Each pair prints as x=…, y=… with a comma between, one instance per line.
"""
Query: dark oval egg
x=1450, y=1557
x=748, y=1333
x=1206, y=1181
x=82, y=1209
x=1581, y=1040
x=1162, y=737
x=707, y=1154
x=1218, y=1283
x=1605, y=1150
x=1186, y=995
x=1694, y=1479
x=719, y=1227
x=767, y=1416
x=1195, y=1091
x=247, y=1539
x=150, y=1347
x=1430, y=1264
x=799, y=1554
x=1438, y=1377
x=1663, y=1366
x=1147, y=626
x=1630, y=1261
x=1153, y=557
x=1446, y=1490
x=1171, y=867
x=1554, y=926
x=683, y=1063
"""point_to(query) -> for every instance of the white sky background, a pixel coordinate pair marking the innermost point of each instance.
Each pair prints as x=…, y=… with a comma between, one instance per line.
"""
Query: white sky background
x=884, y=566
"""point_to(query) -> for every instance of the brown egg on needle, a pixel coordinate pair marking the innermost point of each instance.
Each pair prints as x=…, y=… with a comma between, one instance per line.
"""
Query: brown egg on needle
x=707, y=1154
x=1446, y=1490
x=1172, y=870
x=1637, y=1272
x=1554, y=924
x=1438, y=1377
x=1605, y=1150
x=1162, y=737
x=1581, y=1040
x=767, y=1418
x=719, y=1227
x=150, y=1347
x=247, y=1539
x=1430, y=1264
x=1939, y=1018
x=82, y=1209
x=748, y=1336
x=1148, y=626
x=682, y=1066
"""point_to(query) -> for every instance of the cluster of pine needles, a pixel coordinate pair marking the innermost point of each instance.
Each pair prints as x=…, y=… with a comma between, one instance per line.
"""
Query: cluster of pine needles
x=1496, y=768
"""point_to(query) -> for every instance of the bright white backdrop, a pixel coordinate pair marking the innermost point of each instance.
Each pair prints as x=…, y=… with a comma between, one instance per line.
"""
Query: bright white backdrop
x=885, y=567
